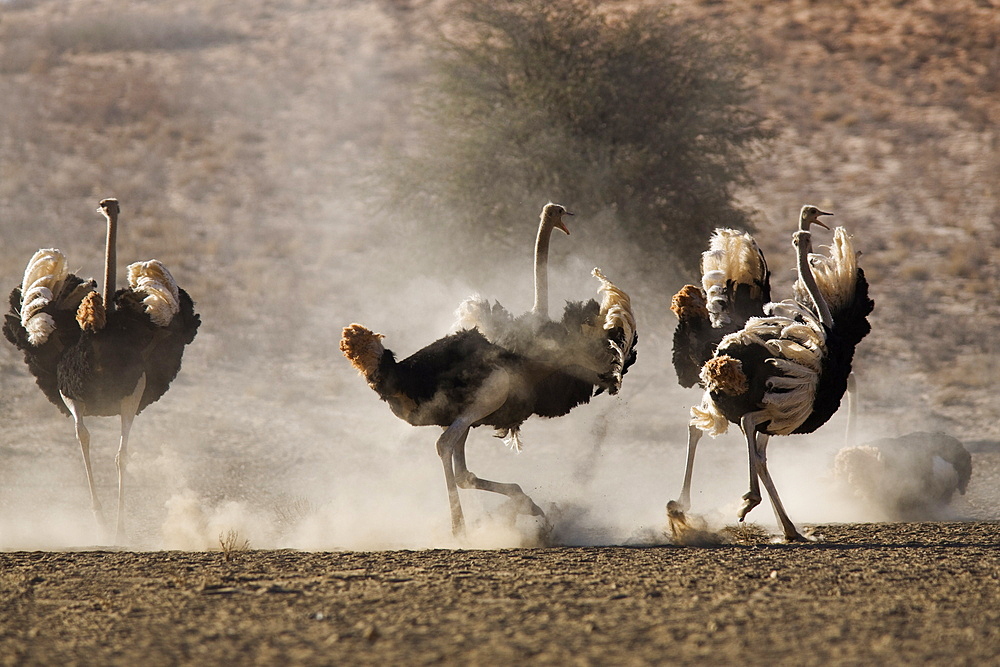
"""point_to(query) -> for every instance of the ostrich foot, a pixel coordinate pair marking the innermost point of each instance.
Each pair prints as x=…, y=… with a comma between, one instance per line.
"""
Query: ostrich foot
x=523, y=505
x=545, y=530
x=690, y=531
x=750, y=500
x=457, y=522
x=793, y=535
x=535, y=532
x=103, y=530
x=676, y=519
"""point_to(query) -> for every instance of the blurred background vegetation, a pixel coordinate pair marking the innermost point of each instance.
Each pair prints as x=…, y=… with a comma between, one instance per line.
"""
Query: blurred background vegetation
x=635, y=117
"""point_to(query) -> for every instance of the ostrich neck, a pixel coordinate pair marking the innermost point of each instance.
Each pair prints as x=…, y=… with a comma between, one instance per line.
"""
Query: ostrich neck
x=110, y=259
x=541, y=306
x=852, y=409
x=803, y=249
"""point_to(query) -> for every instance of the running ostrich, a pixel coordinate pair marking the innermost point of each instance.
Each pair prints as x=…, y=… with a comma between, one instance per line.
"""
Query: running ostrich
x=579, y=343
x=96, y=354
x=787, y=372
x=735, y=286
x=463, y=380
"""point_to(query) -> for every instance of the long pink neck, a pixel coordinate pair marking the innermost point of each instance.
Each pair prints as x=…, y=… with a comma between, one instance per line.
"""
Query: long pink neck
x=110, y=260
x=541, y=306
x=807, y=278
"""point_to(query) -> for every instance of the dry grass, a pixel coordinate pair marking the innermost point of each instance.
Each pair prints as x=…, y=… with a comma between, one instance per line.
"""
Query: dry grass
x=34, y=46
x=230, y=543
x=746, y=534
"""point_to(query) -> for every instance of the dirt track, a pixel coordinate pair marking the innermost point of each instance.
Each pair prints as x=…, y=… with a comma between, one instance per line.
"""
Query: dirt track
x=866, y=594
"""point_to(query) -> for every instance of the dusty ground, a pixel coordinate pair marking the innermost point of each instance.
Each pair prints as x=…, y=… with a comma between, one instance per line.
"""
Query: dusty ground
x=869, y=594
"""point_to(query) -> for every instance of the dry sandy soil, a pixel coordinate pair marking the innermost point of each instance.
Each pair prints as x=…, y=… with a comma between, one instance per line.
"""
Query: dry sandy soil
x=869, y=594
x=231, y=138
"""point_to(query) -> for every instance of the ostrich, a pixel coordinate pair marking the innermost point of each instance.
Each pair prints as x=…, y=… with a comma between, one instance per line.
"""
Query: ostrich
x=735, y=286
x=911, y=477
x=463, y=380
x=584, y=343
x=787, y=373
x=96, y=354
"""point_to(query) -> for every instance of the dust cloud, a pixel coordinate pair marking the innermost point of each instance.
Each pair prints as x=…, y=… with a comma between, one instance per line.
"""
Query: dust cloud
x=295, y=451
x=269, y=436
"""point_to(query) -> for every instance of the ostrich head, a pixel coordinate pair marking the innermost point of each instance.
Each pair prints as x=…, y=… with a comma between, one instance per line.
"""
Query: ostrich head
x=109, y=208
x=810, y=216
x=552, y=217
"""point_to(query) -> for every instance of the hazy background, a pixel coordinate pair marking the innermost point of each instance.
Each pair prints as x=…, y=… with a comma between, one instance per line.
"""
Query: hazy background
x=239, y=144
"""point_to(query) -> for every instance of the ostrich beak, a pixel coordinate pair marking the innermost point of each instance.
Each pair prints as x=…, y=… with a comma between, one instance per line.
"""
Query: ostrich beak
x=819, y=222
x=561, y=226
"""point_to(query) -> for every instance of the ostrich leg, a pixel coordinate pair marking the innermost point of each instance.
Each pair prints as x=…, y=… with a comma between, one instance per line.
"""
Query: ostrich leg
x=752, y=497
x=468, y=480
x=445, y=449
x=852, y=409
x=129, y=407
x=787, y=527
x=451, y=445
x=694, y=435
x=83, y=437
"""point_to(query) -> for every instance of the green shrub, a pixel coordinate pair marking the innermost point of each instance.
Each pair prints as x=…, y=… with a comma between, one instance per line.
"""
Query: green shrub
x=633, y=119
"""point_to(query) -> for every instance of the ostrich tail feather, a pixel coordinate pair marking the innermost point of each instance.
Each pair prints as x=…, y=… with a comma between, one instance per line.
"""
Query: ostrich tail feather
x=363, y=348
x=616, y=306
x=616, y=312
x=860, y=468
x=511, y=437
x=708, y=418
x=91, y=315
x=689, y=304
x=161, y=298
x=836, y=273
x=43, y=279
x=732, y=258
x=724, y=374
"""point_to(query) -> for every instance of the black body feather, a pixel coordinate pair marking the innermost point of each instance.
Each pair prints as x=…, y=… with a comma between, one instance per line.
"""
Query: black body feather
x=695, y=339
x=694, y=343
x=43, y=361
x=850, y=325
x=100, y=368
x=564, y=344
x=436, y=384
x=758, y=372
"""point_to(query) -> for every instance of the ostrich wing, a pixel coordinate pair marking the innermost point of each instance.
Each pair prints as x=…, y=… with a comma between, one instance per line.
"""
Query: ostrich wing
x=45, y=326
x=493, y=321
x=160, y=317
x=735, y=286
x=594, y=342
